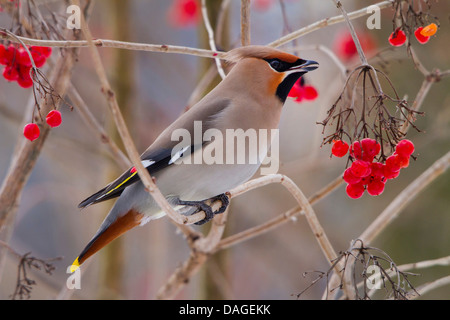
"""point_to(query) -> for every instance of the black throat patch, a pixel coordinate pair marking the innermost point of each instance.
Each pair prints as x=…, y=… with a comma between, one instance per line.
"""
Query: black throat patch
x=286, y=85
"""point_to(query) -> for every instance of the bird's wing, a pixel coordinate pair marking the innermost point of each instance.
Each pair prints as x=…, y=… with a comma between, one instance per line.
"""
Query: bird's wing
x=161, y=153
x=153, y=162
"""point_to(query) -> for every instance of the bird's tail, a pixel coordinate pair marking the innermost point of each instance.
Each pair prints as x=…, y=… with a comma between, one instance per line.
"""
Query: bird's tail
x=109, y=230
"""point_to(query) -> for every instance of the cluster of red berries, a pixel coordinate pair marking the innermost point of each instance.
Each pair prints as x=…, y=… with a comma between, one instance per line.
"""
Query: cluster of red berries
x=31, y=131
x=301, y=91
x=18, y=65
x=367, y=174
x=422, y=34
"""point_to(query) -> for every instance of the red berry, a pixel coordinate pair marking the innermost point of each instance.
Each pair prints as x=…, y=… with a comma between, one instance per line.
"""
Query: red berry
x=339, y=148
x=45, y=51
x=370, y=148
x=31, y=131
x=23, y=58
x=310, y=93
x=296, y=90
x=190, y=7
x=38, y=58
x=392, y=163
x=3, y=59
x=355, y=191
x=421, y=38
x=350, y=178
x=375, y=187
x=360, y=168
x=53, y=118
x=405, y=148
x=10, y=73
x=402, y=161
x=345, y=46
x=24, y=80
x=397, y=38
x=365, y=180
x=389, y=174
x=356, y=150
x=8, y=56
x=299, y=91
x=377, y=170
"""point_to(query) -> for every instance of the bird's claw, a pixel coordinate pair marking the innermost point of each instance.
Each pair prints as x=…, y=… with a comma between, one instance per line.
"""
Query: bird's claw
x=203, y=206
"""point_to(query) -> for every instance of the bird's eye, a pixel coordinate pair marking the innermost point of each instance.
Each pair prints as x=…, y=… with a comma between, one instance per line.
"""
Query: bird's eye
x=276, y=64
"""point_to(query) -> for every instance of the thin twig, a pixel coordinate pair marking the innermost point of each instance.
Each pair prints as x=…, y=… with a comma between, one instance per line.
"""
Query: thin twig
x=418, y=101
x=359, y=49
x=419, y=65
x=7, y=246
x=212, y=43
x=245, y=22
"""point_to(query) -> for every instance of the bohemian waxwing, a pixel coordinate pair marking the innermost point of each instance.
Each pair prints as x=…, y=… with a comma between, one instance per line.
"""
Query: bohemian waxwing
x=250, y=97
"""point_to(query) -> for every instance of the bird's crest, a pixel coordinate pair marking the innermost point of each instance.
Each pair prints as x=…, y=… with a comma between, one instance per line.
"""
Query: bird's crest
x=261, y=52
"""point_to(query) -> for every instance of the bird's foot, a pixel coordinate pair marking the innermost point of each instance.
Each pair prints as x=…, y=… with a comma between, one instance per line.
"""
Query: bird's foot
x=205, y=207
x=225, y=202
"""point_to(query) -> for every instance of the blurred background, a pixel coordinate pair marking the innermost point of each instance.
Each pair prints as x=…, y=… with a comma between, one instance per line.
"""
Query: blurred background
x=153, y=89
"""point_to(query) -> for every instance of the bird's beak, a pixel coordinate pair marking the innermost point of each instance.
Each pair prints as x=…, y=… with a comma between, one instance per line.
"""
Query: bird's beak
x=304, y=66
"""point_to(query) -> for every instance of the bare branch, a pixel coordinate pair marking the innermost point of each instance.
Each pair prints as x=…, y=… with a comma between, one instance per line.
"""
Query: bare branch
x=245, y=22
x=116, y=44
x=421, y=290
x=444, y=261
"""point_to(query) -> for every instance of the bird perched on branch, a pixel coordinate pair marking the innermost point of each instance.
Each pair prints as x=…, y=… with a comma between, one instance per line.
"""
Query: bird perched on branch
x=250, y=97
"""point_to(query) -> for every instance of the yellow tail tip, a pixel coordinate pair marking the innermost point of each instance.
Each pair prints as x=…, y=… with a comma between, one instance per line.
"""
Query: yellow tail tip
x=75, y=265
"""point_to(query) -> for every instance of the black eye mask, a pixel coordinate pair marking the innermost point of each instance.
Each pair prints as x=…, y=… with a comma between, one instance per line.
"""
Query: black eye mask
x=282, y=66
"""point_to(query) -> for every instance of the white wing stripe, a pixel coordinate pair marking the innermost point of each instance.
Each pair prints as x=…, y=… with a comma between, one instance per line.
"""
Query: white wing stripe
x=147, y=163
x=178, y=155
